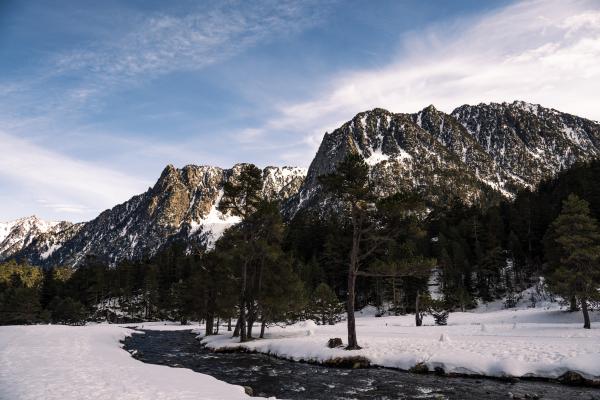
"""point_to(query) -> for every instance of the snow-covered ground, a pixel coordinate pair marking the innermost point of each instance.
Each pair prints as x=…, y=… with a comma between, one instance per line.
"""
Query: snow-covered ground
x=540, y=342
x=65, y=362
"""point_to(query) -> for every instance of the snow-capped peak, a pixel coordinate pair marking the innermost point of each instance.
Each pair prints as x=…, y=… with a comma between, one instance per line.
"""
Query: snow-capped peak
x=17, y=234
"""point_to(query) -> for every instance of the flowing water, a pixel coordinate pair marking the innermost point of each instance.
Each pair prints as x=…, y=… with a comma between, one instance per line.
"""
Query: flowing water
x=269, y=376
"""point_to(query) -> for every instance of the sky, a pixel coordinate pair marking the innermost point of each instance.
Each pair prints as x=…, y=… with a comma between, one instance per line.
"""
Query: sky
x=96, y=98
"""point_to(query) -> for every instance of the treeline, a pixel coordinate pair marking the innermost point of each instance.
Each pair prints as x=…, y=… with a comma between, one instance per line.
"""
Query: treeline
x=500, y=250
x=31, y=295
x=360, y=249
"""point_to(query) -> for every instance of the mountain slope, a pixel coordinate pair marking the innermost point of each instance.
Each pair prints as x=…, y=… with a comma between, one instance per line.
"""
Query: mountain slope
x=530, y=142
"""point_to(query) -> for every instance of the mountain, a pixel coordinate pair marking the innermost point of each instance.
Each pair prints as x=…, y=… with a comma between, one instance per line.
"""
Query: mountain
x=181, y=205
x=18, y=234
x=473, y=153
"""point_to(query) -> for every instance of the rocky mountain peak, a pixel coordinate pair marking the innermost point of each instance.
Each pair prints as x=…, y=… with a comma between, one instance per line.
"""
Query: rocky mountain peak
x=470, y=154
x=181, y=205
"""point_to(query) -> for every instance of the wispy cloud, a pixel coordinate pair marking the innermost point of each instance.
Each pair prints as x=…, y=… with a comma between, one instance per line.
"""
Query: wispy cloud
x=62, y=184
x=163, y=43
x=546, y=52
x=78, y=80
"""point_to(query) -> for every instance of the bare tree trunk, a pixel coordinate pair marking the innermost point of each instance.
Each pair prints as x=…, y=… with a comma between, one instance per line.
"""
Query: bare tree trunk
x=418, y=316
x=262, y=329
x=353, y=267
x=236, y=331
x=218, y=323
x=586, y=315
x=251, y=319
x=250, y=326
x=229, y=325
x=252, y=309
x=352, y=341
x=242, y=317
x=573, y=304
x=394, y=294
x=209, y=325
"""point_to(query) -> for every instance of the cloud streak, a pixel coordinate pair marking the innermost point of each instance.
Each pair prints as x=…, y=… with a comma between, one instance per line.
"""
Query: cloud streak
x=164, y=43
x=61, y=184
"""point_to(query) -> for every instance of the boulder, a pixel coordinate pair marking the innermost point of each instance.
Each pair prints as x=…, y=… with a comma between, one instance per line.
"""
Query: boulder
x=334, y=342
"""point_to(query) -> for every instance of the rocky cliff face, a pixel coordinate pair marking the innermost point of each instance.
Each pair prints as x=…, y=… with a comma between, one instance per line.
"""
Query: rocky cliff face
x=473, y=153
x=529, y=142
x=182, y=204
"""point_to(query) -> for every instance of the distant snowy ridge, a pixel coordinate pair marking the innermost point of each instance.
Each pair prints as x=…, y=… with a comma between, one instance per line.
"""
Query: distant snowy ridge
x=18, y=234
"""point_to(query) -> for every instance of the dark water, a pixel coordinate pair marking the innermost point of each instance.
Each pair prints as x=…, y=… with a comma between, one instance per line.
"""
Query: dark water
x=268, y=376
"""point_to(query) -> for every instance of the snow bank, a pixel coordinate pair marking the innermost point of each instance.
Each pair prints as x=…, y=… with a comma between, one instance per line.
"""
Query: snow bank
x=516, y=343
x=63, y=362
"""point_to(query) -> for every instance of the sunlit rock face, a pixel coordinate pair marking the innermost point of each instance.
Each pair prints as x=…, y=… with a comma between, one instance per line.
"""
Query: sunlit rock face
x=181, y=205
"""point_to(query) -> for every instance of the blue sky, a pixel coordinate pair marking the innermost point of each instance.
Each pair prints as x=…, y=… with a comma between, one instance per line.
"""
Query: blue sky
x=97, y=97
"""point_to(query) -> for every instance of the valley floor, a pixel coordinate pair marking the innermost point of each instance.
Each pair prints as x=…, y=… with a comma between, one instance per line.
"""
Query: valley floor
x=535, y=342
x=74, y=363
x=63, y=362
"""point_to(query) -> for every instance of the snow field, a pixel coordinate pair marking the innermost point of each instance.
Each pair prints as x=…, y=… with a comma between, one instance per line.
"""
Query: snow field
x=54, y=362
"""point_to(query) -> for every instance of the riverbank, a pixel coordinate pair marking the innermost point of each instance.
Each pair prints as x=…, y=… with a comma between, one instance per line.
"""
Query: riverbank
x=270, y=376
x=545, y=343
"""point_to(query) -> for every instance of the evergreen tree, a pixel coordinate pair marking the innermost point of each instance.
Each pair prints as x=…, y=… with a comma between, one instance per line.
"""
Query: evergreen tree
x=20, y=305
x=67, y=311
x=48, y=290
x=241, y=197
x=324, y=305
x=573, y=248
x=350, y=185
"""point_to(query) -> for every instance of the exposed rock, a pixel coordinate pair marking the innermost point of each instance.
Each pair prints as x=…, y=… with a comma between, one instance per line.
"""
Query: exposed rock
x=348, y=362
x=334, y=342
x=420, y=368
x=572, y=378
x=475, y=154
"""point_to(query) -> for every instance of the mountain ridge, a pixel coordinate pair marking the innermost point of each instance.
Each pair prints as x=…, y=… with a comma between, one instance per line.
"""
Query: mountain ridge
x=182, y=204
x=471, y=153
x=474, y=154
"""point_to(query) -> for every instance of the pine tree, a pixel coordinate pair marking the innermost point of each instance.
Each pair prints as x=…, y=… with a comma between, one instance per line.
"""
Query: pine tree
x=350, y=185
x=241, y=197
x=573, y=250
x=48, y=290
x=324, y=305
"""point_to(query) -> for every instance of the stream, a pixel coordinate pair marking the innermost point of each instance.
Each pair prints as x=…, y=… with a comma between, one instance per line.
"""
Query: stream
x=269, y=376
